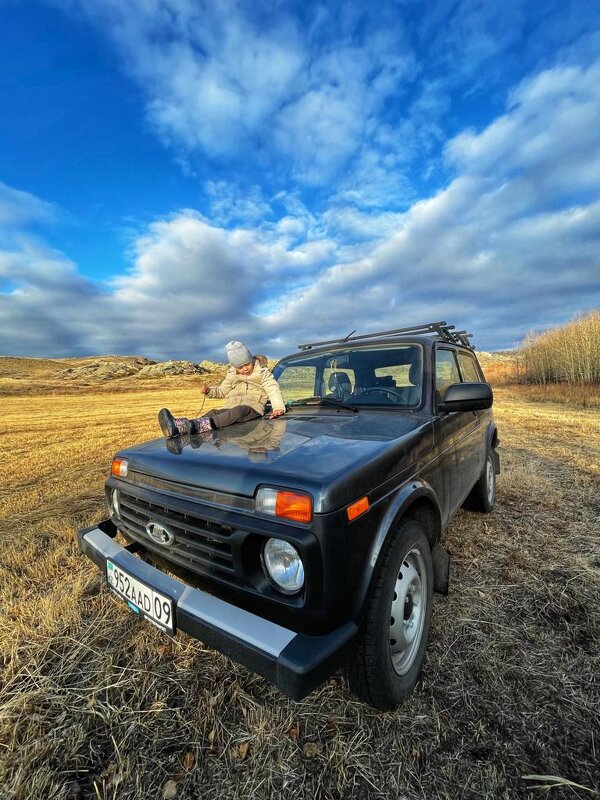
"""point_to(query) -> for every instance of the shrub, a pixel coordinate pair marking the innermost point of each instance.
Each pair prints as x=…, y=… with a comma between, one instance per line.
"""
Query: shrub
x=568, y=354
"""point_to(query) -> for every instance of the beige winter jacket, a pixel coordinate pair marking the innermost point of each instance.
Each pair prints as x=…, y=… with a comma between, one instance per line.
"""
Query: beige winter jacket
x=249, y=390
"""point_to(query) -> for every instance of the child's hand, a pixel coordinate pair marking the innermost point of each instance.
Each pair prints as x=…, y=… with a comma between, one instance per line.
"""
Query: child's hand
x=204, y=389
x=278, y=412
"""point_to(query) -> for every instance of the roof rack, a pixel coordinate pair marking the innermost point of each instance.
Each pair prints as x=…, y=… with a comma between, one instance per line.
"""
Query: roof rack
x=445, y=332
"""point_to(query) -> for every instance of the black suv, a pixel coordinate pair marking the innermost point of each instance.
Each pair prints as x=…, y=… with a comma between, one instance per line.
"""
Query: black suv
x=311, y=541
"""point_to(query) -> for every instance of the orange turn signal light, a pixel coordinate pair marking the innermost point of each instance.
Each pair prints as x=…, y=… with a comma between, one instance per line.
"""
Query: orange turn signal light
x=297, y=507
x=119, y=467
x=358, y=508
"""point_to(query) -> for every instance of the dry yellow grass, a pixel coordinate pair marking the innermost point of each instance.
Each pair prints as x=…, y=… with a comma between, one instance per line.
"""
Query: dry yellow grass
x=95, y=704
x=582, y=395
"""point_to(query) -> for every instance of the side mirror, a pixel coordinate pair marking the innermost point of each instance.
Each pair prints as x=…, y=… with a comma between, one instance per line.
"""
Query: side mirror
x=467, y=397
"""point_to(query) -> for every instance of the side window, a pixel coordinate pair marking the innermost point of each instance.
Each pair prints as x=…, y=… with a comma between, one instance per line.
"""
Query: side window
x=468, y=367
x=297, y=382
x=446, y=371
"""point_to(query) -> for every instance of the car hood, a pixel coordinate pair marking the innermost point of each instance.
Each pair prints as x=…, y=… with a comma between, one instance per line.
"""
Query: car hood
x=335, y=455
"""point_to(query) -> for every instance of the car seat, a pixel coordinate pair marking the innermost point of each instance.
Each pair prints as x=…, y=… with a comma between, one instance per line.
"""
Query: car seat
x=414, y=393
x=340, y=385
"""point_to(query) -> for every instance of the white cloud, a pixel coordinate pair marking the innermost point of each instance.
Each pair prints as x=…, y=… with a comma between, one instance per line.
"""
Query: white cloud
x=512, y=242
x=230, y=203
x=19, y=209
x=505, y=244
x=212, y=76
x=224, y=77
x=46, y=310
x=192, y=286
x=346, y=98
x=548, y=134
x=348, y=223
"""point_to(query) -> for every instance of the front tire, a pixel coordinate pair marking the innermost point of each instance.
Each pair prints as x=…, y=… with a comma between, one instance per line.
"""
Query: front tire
x=483, y=494
x=392, y=640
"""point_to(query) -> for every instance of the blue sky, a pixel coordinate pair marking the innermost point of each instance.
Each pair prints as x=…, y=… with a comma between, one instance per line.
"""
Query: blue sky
x=175, y=174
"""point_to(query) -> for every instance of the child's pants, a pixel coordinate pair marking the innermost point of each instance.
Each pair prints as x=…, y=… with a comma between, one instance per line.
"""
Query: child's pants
x=221, y=417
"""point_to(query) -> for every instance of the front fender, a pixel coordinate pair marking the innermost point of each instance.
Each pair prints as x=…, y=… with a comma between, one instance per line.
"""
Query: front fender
x=397, y=507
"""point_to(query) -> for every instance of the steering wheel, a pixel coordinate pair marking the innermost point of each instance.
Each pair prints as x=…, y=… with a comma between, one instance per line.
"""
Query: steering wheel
x=394, y=394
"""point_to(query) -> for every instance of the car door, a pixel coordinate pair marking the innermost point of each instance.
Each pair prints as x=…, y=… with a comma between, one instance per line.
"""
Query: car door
x=462, y=428
x=470, y=373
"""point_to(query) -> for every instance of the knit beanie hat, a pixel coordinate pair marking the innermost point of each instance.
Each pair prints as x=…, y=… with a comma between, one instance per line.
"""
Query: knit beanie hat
x=238, y=354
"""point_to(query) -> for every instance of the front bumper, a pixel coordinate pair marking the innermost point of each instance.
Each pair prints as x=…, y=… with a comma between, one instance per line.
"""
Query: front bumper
x=295, y=662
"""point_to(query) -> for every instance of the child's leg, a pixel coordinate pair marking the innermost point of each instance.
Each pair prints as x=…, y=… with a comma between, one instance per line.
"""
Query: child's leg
x=228, y=416
x=222, y=417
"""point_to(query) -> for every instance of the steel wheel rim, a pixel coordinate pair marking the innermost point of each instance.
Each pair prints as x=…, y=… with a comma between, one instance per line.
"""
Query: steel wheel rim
x=407, y=613
x=490, y=480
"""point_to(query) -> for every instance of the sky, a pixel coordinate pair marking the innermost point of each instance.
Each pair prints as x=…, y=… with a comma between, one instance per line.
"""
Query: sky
x=175, y=174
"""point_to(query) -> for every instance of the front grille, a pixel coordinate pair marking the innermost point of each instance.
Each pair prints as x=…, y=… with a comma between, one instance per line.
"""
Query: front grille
x=200, y=545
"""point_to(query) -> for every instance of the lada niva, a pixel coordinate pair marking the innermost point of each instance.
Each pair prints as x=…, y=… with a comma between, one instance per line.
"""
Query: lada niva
x=303, y=544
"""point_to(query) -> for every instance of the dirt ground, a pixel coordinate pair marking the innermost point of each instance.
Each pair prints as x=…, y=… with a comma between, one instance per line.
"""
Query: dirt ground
x=96, y=704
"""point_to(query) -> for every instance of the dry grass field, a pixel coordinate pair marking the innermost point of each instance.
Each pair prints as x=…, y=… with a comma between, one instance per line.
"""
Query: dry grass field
x=96, y=704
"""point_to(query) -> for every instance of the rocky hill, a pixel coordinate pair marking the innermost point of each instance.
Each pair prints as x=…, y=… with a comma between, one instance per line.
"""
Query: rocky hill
x=108, y=368
x=107, y=373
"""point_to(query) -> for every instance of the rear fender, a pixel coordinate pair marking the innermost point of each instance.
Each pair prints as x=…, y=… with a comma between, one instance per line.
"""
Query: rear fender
x=492, y=444
x=399, y=505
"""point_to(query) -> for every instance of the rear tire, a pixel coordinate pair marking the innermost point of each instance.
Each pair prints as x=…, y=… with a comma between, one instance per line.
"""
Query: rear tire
x=391, y=643
x=483, y=494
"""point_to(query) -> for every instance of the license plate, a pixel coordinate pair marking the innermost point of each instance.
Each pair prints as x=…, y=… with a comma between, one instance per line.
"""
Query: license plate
x=155, y=607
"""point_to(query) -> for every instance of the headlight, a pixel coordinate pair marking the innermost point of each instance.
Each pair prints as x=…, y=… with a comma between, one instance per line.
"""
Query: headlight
x=114, y=502
x=283, y=566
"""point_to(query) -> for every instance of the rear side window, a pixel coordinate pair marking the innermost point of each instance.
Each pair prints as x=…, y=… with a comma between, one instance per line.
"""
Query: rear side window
x=468, y=367
x=446, y=371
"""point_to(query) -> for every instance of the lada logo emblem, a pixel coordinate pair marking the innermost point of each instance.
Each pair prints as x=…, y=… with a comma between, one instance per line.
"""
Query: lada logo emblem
x=159, y=534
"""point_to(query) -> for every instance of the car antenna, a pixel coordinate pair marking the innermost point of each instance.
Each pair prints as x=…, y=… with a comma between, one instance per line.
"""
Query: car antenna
x=349, y=335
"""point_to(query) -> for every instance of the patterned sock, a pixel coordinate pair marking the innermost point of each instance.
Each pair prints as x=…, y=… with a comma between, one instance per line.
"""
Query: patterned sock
x=202, y=425
x=184, y=425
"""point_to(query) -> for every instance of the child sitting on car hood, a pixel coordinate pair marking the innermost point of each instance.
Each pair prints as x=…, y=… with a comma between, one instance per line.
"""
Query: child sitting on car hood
x=247, y=387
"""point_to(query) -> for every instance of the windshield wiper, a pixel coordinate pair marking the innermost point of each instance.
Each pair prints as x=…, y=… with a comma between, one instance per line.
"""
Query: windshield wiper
x=317, y=400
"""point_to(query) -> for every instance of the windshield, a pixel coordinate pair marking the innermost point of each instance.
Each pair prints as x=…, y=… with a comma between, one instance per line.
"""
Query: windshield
x=384, y=375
